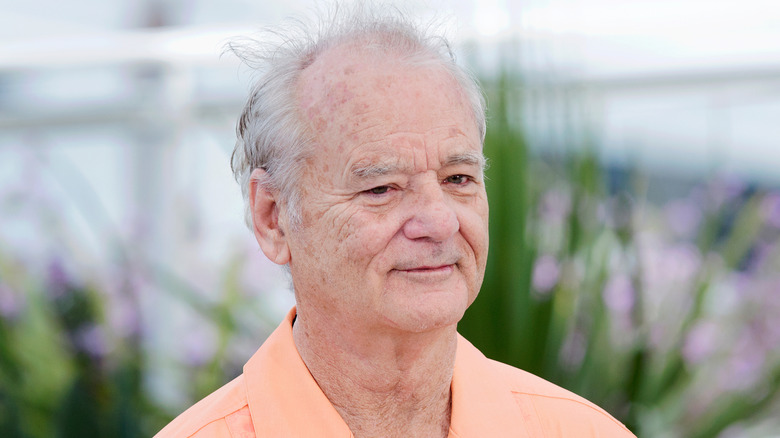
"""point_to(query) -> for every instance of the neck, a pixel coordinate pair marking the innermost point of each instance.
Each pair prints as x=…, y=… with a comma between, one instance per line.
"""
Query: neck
x=382, y=383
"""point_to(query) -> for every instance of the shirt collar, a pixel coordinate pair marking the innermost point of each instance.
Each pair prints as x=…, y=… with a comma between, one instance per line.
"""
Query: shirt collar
x=285, y=400
x=482, y=403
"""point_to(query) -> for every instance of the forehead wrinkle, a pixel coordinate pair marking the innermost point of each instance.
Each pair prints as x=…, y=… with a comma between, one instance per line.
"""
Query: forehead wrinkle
x=388, y=156
x=360, y=129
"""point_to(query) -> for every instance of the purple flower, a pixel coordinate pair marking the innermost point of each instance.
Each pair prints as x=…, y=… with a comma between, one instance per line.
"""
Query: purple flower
x=762, y=255
x=745, y=367
x=58, y=279
x=123, y=316
x=684, y=261
x=122, y=286
x=555, y=205
x=92, y=340
x=199, y=344
x=684, y=217
x=725, y=189
x=668, y=266
x=546, y=273
x=701, y=342
x=11, y=303
x=770, y=209
x=619, y=294
x=760, y=299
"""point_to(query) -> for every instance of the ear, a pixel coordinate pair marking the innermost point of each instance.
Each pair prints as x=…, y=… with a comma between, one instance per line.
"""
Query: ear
x=265, y=219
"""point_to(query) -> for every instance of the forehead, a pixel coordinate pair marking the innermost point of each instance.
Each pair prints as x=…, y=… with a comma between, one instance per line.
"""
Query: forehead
x=348, y=84
x=351, y=97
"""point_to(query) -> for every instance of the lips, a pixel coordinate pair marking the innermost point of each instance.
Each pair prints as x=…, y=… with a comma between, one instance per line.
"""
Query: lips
x=427, y=266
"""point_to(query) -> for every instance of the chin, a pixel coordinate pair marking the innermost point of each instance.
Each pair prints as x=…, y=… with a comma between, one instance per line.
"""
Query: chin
x=430, y=315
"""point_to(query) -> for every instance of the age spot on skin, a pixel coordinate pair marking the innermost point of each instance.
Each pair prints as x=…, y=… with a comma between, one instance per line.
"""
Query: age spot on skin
x=320, y=123
x=339, y=95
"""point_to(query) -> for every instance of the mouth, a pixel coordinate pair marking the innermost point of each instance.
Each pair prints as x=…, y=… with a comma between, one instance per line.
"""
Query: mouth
x=427, y=274
x=433, y=264
x=428, y=269
x=431, y=269
x=436, y=269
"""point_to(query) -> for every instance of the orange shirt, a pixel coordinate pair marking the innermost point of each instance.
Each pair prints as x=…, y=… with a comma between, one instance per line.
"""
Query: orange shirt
x=277, y=397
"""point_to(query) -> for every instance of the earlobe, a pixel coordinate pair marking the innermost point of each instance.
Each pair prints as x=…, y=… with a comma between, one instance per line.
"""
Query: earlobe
x=265, y=219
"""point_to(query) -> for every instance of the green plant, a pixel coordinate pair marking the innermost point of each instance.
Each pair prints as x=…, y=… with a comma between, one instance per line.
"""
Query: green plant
x=593, y=286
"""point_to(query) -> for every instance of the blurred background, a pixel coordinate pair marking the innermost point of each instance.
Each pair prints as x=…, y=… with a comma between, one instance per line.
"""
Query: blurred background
x=635, y=207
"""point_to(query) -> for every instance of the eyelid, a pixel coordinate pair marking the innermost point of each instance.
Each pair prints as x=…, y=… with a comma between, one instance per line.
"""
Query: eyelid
x=368, y=191
x=371, y=190
x=471, y=170
x=465, y=176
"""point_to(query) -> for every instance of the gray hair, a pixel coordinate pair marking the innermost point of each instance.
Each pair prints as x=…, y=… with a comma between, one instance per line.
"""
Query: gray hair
x=272, y=135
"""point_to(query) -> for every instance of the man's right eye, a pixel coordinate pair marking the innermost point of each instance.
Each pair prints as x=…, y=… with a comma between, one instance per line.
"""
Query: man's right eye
x=381, y=190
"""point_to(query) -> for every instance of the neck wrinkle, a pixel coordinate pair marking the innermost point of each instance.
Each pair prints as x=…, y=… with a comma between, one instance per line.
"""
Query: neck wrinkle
x=389, y=385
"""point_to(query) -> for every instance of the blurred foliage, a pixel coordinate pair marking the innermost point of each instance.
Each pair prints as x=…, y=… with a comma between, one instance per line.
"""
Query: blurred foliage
x=75, y=353
x=55, y=376
x=664, y=314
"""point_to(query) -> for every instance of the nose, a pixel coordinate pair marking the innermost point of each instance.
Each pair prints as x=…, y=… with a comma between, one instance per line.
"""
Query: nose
x=431, y=215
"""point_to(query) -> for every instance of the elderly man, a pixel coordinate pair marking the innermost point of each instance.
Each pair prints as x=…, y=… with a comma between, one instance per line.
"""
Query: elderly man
x=360, y=155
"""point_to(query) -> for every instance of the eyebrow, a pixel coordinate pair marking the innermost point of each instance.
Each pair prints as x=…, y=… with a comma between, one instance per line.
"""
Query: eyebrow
x=470, y=158
x=373, y=170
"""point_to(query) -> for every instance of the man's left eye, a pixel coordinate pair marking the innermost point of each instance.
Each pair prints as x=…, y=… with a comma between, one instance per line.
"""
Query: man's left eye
x=457, y=179
x=380, y=190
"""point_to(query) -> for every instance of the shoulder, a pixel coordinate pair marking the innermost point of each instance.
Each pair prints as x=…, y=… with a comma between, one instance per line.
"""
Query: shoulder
x=224, y=413
x=557, y=409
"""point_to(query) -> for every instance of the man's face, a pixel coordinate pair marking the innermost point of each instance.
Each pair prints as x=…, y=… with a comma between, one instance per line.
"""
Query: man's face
x=394, y=233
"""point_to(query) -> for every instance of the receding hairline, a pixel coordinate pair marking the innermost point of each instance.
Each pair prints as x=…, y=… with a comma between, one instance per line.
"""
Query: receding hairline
x=330, y=62
x=272, y=122
x=359, y=47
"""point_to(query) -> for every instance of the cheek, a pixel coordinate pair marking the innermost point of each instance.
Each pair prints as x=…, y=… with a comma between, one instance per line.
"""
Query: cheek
x=474, y=228
x=339, y=235
x=366, y=236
